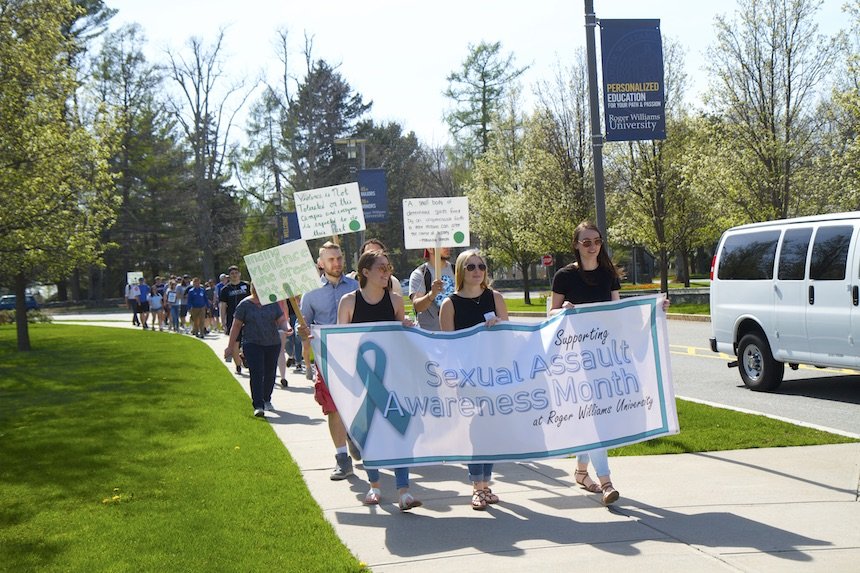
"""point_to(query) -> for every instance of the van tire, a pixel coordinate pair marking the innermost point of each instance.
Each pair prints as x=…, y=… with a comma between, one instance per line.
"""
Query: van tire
x=759, y=371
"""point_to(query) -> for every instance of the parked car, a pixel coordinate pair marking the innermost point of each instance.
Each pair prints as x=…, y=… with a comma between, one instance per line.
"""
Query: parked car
x=788, y=292
x=7, y=302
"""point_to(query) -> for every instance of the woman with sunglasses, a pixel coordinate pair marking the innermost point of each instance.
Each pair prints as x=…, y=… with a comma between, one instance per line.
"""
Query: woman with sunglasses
x=591, y=278
x=474, y=302
x=374, y=302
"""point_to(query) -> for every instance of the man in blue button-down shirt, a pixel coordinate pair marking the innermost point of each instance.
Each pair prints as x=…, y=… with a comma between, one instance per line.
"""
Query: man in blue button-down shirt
x=320, y=307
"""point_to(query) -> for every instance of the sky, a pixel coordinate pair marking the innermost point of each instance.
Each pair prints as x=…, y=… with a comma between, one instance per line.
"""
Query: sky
x=398, y=53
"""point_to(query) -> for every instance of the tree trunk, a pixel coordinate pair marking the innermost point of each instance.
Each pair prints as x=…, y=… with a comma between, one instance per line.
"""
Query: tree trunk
x=62, y=291
x=664, y=271
x=526, y=294
x=21, y=313
x=75, y=284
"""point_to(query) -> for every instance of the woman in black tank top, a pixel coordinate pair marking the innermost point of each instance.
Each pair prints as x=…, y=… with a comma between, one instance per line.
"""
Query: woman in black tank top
x=474, y=302
x=374, y=302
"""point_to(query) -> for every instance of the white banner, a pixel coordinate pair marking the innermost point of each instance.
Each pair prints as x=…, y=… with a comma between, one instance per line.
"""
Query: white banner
x=595, y=376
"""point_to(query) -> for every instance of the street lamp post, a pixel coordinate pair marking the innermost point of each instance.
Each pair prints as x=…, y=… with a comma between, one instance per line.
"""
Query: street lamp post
x=352, y=145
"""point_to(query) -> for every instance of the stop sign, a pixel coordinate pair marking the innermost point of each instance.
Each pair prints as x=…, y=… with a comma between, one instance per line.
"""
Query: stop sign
x=546, y=260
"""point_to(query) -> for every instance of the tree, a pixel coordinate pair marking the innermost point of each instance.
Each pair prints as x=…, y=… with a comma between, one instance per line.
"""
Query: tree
x=206, y=117
x=767, y=66
x=477, y=91
x=149, y=163
x=54, y=175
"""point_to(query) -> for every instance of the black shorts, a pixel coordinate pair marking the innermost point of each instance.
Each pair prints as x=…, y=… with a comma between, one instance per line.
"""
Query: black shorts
x=142, y=307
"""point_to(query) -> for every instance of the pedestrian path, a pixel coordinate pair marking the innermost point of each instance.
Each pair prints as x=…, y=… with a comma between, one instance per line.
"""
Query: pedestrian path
x=772, y=509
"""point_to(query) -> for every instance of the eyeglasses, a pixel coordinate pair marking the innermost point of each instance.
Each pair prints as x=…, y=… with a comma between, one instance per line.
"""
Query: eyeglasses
x=384, y=268
x=588, y=242
x=471, y=266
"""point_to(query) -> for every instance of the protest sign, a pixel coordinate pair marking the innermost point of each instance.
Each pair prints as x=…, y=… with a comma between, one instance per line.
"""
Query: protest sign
x=132, y=277
x=591, y=377
x=329, y=211
x=436, y=222
x=283, y=271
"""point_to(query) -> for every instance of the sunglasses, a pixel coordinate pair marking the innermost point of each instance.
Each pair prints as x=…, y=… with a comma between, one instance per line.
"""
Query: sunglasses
x=472, y=266
x=588, y=242
x=384, y=268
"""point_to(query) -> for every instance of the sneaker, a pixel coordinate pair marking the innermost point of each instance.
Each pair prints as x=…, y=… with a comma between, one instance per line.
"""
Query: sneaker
x=299, y=369
x=343, y=469
x=353, y=449
x=284, y=383
x=269, y=406
x=259, y=413
x=290, y=362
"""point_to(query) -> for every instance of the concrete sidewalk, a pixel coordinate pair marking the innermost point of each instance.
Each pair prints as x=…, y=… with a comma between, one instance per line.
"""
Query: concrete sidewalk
x=775, y=509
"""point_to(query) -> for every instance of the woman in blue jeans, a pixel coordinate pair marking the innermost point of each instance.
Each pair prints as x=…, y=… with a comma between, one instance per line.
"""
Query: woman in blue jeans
x=474, y=302
x=260, y=326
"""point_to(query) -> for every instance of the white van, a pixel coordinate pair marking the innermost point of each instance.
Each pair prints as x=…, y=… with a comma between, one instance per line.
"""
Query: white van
x=786, y=292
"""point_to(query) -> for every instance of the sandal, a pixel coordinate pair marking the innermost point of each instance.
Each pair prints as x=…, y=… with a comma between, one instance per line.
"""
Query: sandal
x=610, y=494
x=372, y=497
x=479, y=500
x=490, y=496
x=407, y=502
x=585, y=481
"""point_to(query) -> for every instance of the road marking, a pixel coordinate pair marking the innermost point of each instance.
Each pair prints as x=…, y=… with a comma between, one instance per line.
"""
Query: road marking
x=700, y=352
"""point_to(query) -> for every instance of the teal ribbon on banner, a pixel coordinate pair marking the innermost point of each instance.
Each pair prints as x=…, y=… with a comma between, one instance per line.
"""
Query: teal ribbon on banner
x=376, y=397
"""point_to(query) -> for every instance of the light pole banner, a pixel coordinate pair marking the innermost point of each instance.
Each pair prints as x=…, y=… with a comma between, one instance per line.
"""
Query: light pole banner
x=436, y=222
x=283, y=271
x=374, y=194
x=594, y=376
x=328, y=211
x=633, y=94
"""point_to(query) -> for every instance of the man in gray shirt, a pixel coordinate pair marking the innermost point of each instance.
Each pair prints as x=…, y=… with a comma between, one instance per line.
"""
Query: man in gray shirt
x=426, y=301
x=319, y=306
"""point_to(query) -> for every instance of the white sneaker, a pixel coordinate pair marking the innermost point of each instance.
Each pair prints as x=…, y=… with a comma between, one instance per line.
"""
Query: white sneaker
x=269, y=406
x=259, y=413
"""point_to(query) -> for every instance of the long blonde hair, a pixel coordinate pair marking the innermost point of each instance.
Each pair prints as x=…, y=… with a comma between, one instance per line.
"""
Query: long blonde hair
x=460, y=269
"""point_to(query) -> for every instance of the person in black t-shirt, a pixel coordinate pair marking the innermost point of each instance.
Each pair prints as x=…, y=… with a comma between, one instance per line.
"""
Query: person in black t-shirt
x=231, y=295
x=591, y=278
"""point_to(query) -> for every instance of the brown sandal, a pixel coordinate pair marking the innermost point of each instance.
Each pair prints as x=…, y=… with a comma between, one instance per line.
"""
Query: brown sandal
x=490, y=496
x=585, y=481
x=610, y=494
x=479, y=500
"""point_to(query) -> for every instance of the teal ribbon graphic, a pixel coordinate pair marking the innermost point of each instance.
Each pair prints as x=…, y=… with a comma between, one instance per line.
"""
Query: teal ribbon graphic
x=376, y=397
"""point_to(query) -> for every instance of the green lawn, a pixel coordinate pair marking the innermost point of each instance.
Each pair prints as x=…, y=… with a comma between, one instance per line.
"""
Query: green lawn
x=123, y=452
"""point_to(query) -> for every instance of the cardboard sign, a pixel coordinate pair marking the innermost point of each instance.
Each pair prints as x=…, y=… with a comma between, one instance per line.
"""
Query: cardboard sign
x=132, y=277
x=436, y=221
x=283, y=271
x=329, y=211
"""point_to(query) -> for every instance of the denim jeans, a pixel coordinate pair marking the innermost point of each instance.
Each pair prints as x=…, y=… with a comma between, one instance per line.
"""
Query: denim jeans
x=262, y=366
x=599, y=459
x=480, y=472
x=401, y=476
x=174, y=316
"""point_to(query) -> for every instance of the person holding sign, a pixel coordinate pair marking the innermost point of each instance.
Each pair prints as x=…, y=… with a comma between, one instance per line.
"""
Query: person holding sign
x=427, y=291
x=374, y=302
x=474, y=302
x=319, y=306
x=261, y=343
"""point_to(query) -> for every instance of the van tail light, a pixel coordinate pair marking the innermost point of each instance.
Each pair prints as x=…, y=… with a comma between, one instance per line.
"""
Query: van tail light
x=713, y=263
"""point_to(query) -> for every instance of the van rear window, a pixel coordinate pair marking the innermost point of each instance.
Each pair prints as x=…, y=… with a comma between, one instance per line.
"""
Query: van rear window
x=748, y=256
x=830, y=253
